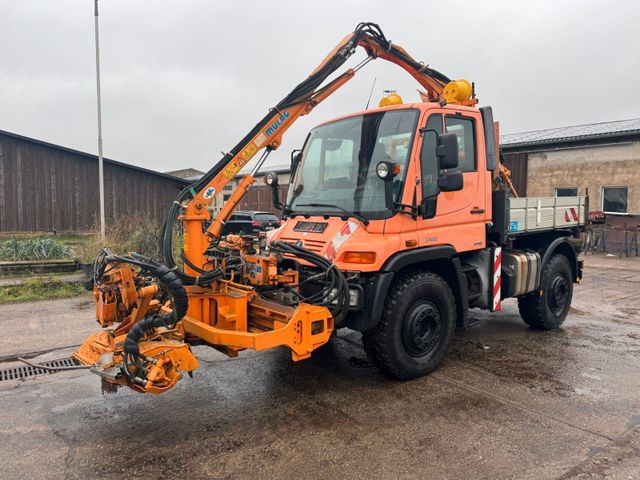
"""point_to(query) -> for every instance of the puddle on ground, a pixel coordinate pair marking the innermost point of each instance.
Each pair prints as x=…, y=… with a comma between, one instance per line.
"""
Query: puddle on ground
x=533, y=362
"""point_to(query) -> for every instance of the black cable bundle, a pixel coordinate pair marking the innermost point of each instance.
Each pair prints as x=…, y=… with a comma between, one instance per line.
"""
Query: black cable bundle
x=335, y=289
x=171, y=284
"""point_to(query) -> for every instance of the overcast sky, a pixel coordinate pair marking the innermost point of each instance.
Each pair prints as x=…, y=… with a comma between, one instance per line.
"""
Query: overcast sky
x=184, y=80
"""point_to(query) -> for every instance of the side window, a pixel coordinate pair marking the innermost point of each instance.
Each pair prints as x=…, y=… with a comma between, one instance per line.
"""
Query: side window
x=463, y=128
x=430, y=167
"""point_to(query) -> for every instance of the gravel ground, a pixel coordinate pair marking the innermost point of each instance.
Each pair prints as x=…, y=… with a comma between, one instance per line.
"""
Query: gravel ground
x=509, y=402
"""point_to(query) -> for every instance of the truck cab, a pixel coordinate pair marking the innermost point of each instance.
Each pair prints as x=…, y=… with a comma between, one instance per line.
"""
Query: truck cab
x=338, y=167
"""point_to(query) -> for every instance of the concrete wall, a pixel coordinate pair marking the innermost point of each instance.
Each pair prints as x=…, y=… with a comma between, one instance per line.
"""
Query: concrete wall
x=614, y=165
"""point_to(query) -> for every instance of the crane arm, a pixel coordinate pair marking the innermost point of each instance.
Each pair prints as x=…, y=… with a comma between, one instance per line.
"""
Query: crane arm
x=190, y=206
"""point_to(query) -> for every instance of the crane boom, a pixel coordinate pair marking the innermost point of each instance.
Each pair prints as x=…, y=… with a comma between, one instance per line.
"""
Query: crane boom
x=190, y=206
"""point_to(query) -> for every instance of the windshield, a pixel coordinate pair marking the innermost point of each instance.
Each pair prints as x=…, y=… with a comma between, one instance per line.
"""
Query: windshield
x=339, y=161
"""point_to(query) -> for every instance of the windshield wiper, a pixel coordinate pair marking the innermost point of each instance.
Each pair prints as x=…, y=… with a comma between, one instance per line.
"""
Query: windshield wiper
x=329, y=205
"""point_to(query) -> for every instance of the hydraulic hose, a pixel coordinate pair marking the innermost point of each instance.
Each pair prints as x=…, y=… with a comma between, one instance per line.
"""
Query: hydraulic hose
x=334, y=294
x=170, y=281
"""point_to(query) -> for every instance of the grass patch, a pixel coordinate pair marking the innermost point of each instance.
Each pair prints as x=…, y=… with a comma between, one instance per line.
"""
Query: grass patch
x=39, y=289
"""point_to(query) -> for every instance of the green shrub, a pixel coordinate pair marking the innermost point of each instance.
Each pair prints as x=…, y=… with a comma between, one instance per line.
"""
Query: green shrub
x=33, y=249
x=129, y=233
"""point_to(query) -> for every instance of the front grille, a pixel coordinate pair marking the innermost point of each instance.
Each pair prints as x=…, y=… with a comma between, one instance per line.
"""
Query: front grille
x=25, y=371
x=316, y=246
x=313, y=227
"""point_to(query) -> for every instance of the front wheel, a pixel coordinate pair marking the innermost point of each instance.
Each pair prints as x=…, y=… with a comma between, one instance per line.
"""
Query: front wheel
x=416, y=328
x=547, y=308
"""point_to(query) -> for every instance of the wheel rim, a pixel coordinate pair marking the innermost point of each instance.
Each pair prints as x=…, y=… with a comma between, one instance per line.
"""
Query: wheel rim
x=421, y=329
x=558, y=295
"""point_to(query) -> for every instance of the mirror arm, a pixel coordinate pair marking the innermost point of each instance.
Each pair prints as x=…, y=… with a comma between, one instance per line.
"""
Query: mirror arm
x=388, y=195
x=414, y=210
x=275, y=197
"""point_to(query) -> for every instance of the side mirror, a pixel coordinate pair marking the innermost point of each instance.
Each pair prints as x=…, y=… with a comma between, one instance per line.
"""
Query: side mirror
x=296, y=156
x=439, y=152
x=386, y=171
x=447, y=151
x=451, y=182
x=271, y=179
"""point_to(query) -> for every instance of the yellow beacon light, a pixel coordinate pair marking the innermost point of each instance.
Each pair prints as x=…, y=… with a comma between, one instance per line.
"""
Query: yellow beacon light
x=390, y=98
x=457, y=91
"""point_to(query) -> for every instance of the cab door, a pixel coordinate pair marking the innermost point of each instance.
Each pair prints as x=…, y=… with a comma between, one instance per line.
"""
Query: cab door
x=459, y=216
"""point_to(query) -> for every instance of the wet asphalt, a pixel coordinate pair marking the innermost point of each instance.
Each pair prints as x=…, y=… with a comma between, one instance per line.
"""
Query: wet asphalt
x=509, y=402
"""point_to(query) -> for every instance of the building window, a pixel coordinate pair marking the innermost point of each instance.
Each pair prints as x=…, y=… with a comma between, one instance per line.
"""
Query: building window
x=567, y=192
x=614, y=199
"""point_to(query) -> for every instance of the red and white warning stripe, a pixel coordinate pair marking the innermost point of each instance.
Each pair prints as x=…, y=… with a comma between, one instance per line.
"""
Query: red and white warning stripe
x=497, y=264
x=348, y=229
x=574, y=215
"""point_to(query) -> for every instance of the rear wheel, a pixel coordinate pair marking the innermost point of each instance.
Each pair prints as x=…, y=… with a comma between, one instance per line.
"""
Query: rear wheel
x=416, y=328
x=548, y=310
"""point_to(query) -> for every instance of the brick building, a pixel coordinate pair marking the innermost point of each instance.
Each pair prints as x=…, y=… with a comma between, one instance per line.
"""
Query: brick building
x=601, y=158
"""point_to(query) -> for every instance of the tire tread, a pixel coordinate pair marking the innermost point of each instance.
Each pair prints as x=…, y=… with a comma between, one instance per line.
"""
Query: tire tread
x=377, y=341
x=532, y=306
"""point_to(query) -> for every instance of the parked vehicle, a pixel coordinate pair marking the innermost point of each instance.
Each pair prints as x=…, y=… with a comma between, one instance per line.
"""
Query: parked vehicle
x=250, y=222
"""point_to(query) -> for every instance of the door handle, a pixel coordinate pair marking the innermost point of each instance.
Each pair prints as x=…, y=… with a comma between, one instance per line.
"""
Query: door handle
x=477, y=210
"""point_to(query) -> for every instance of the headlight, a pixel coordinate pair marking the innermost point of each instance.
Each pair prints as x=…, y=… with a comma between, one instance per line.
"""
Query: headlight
x=355, y=296
x=382, y=169
x=387, y=170
x=271, y=178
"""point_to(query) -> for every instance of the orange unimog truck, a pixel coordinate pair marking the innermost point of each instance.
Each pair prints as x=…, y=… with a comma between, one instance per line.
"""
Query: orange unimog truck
x=400, y=198
x=397, y=222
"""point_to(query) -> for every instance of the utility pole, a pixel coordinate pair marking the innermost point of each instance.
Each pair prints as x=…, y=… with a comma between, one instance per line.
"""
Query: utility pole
x=100, y=160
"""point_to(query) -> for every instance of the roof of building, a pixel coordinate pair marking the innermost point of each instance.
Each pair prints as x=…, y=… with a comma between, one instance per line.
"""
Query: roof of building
x=277, y=168
x=188, y=174
x=603, y=130
x=91, y=156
